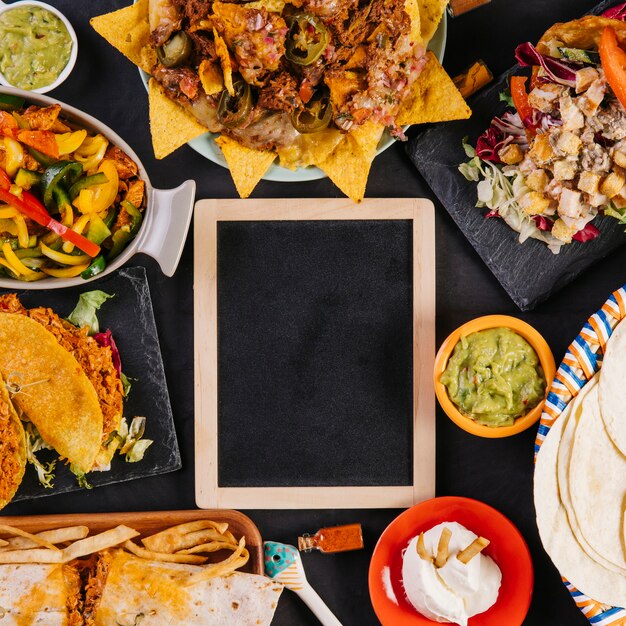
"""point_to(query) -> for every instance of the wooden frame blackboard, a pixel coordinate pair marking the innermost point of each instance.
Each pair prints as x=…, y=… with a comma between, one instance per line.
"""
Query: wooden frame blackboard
x=209, y=493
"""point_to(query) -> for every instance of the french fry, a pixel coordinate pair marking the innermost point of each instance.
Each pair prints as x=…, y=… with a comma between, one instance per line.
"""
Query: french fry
x=236, y=560
x=36, y=555
x=478, y=545
x=167, y=540
x=102, y=541
x=58, y=535
x=213, y=546
x=165, y=557
x=442, y=547
x=10, y=530
x=421, y=549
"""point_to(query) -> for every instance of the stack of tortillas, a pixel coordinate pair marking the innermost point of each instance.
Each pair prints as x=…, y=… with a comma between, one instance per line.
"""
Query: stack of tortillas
x=580, y=483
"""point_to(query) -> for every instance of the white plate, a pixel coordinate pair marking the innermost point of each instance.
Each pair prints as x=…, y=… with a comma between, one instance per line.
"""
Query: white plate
x=206, y=146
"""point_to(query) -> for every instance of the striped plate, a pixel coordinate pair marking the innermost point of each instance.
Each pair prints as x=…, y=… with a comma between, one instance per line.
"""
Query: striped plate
x=581, y=361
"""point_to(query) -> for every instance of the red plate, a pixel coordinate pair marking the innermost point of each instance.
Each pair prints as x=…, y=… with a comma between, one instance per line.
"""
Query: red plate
x=507, y=548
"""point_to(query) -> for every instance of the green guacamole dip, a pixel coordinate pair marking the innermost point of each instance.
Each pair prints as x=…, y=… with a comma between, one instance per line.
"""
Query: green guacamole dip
x=494, y=376
x=34, y=46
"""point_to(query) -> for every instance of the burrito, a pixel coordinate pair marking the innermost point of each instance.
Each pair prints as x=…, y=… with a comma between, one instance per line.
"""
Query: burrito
x=123, y=588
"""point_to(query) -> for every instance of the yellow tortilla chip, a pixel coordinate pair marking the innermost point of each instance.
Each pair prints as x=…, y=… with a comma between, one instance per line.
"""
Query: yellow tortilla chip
x=221, y=49
x=170, y=125
x=367, y=137
x=247, y=166
x=431, y=12
x=433, y=98
x=128, y=31
x=210, y=77
x=348, y=168
x=413, y=11
x=273, y=6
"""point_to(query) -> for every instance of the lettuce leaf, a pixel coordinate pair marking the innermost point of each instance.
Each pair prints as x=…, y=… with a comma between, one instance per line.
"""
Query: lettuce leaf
x=84, y=315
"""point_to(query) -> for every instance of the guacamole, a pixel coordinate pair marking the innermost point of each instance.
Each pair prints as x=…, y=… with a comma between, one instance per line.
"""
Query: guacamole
x=494, y=376
x=35, y=46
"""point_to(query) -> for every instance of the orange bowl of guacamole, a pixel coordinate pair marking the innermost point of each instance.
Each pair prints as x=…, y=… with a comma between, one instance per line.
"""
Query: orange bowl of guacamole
x=492, y=376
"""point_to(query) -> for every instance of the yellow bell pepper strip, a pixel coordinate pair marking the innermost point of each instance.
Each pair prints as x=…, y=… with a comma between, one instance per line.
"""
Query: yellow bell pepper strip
x=14, y=156
x=64, y=259
x=22, y=231
x=613, y=60
x=78, y=227
x=66, y=272
x=68, y=142
x=91, y=152
x=99, y=198
x=16, y=265
x=8, y=212
x=27, y=178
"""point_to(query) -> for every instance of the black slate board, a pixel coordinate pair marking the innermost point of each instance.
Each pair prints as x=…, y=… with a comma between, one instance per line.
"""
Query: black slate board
x=529, y=272
x=130, y=317
x=315, y=353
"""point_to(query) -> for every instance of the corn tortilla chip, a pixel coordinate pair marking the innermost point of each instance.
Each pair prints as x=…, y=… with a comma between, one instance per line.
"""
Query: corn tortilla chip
x=348, y=168
x=431, y=12
x=211, y=77
x=221, y=49
x=246, y=165
x=170, y=125
x=128, y=31
x=273, y=6
x=367, y=137
x=433, y=98
x=413, y=11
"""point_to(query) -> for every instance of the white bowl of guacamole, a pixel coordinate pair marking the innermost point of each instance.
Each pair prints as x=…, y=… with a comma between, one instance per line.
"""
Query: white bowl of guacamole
x=38, y=46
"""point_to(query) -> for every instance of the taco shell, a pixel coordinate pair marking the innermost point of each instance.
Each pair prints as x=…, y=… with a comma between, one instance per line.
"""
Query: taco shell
x=55, y=394
x=12, y=448
x=583, y=33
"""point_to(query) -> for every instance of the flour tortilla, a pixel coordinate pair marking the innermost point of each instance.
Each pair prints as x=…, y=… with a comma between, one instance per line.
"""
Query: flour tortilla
x=565, y=452
x=612, y=389
x=597, y=482
x=573, y=563
x=135, y=586
x=56, y=396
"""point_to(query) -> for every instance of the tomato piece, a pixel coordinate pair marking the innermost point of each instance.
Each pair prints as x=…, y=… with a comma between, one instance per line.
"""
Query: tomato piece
x=306, y=90
x=613, y=60
x=520, y=97
x=41, y=140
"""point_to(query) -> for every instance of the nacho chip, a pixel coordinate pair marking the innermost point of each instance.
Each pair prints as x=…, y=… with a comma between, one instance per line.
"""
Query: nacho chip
x=582, y=33
x=367, y=137
x=247, y=166
x=170, y=125
x=128, y=31
x=413, y=11
x=348, y=168
x=431, y=12
x=273, y=6
x=221, y=49
x=310, y=149
x=211, y=77
x=433, y=98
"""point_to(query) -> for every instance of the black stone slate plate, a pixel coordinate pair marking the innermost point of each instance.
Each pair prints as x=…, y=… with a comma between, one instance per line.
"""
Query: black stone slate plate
x=130, y=317
x=529, y=272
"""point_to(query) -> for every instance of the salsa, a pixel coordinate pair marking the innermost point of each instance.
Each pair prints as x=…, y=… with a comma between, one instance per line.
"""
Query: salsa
x=494, y=376
x=35, y=46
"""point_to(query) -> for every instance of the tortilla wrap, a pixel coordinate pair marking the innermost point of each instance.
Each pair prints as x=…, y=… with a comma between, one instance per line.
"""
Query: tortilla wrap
x=39, y=595
x=55, y=395
x=597, y=483
x=563, y=464
x=136, y=586
x=612, y=390
x=12, y=448
x=573, y=563
x=583, y=33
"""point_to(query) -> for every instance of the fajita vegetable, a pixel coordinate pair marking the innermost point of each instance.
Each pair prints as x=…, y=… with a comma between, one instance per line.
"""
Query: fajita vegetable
x=64, y=379
x=70, y=201
x=307, y=82
x=555, y=160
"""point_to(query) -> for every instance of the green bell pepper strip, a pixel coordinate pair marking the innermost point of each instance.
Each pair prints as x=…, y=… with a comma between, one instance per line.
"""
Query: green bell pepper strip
x=41, y=158
x=11, y=103
x=27, y=178
x=95, y=268
x=123, y=235
x=87, y=181
x=109, y=218
x=61, y=172
x=98, y=230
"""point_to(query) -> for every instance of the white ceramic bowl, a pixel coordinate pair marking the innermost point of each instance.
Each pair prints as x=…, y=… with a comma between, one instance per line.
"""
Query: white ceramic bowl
x=166, y=217
x=67, y=70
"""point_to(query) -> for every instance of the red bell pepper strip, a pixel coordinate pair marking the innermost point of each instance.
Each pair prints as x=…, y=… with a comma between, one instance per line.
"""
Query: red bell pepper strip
x=613, y=60
x=34, y=210
x=5, y=181
x=520, y=97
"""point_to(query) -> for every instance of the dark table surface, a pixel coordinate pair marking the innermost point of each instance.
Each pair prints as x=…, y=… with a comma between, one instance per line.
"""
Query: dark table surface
x=499, y=472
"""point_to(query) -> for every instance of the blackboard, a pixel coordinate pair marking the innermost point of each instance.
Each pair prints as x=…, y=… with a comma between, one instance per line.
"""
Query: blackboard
x=314, y=379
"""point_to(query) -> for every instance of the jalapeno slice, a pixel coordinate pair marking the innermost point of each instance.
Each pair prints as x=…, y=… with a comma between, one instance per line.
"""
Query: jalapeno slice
x=176, y=50
x=307, y=39
x=234, y=111
x=316, y=114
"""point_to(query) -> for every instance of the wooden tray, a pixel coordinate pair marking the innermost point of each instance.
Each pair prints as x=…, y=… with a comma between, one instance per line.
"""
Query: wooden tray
x=152, y=522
